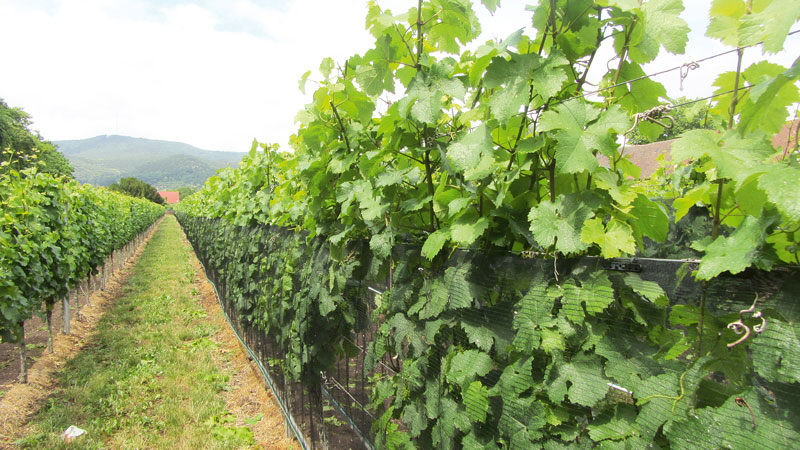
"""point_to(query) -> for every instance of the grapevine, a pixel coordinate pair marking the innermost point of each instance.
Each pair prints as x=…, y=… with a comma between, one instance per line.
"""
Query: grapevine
x=421, y=154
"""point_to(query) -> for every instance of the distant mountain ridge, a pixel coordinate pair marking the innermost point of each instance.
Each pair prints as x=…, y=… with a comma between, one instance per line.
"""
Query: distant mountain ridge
x=102, y=160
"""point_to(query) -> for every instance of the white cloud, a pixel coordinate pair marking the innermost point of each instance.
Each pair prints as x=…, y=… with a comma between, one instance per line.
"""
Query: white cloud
x=211, y=73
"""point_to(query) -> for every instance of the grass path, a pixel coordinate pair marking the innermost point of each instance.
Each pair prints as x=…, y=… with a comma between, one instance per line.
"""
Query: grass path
x=162, y=370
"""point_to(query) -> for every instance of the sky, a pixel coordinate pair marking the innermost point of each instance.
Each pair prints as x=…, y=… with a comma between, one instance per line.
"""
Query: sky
x=218, y=73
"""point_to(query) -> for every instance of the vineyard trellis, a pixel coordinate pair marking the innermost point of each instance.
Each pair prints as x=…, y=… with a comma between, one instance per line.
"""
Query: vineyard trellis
x=494, y=151
x=56, y=234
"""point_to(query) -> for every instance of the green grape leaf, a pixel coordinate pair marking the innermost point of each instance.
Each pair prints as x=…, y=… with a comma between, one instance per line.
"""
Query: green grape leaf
x=381, y=244
x=651, y=218
x=535, y=311
x=509, y=100
x=405, y=329
x=549, y=77
x=472, y=154
x=491, y=5
x=552, y=341
x=587, y=386
x=779, y=182
x=560, y=223
x=515, y=379
x=639, y=96
x=614, y=424
x=736, y=252
x=735, y=157
x=609, y=181
x=624, y=5
x=730, y=426
x=582, y=130
x=770, y=25
x=424, y=98
x=467, y=233
x=476, y=401
x=725, y=15
x=325, y=67
x=614, y=239
x=458, y=287
x=649, y=290
x=472, y=442
x=466, y=366
x=663, y=26
x=685, y=315
x=767, y=101
x=683, y=204
x=436, y=298
x=414, y=419
x=370, y=79
x=450, y=417
x=521, y=420
x=572, y=307
x=597, y=293
x=434, y=243
x=774, y=351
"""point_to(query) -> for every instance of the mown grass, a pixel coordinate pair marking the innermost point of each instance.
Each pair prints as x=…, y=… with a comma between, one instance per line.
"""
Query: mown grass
x=147, y=380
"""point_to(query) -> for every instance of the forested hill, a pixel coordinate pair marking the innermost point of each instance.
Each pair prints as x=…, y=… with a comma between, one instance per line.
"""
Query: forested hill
x=103, y=160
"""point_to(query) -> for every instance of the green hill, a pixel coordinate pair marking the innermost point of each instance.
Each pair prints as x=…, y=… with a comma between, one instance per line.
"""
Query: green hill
x=103, y=160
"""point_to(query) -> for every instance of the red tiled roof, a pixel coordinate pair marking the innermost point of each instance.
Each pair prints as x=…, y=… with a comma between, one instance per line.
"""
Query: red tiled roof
x=170, y=196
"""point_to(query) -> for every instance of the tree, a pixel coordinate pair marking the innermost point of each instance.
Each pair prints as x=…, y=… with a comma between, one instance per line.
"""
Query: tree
x=690, y=117
x=21, y=148
x=137, y=188
x=185, y=191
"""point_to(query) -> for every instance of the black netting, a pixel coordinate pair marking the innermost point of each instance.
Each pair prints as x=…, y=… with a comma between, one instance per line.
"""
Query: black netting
x=500, y=350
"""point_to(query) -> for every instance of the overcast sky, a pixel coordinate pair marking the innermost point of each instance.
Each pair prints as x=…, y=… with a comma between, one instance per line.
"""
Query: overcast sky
x=218, y=73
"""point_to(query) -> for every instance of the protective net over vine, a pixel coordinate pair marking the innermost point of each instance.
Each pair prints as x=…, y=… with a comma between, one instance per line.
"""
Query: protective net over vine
x=498, y=349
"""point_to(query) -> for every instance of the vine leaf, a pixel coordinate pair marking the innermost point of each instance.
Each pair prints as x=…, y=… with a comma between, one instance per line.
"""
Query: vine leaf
x=733, y=156
x=471, y=155
x=774, y=351
x=649, y=290
x=381, y=244
x=476, y=401
x=582, y=130
x=663, y=26
x=614, y=239
x=651, y=218
x=302, y=83
x=466, y=233
x=535, y=313
x=736, y=252
x=774, y=91
x=615, y=424
x=451, y=417
x=587, y=383
x=725, y=15
x=770, y=25
x=434, y=243
x=730, y=426
x=780, y=184
x=609, y=181
x=559, y=223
